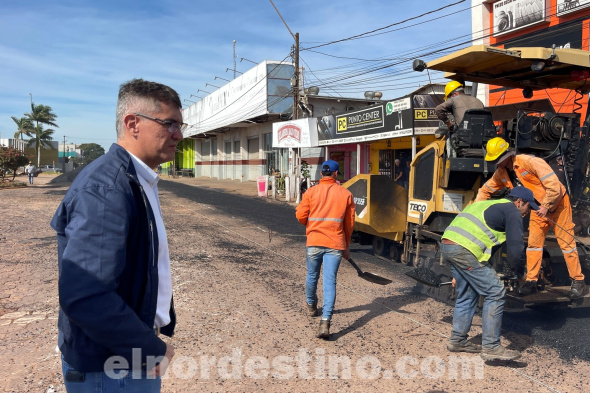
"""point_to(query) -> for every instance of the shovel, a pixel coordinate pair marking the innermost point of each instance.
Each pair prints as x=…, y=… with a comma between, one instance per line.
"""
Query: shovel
x=375, y=279
x=427, y=277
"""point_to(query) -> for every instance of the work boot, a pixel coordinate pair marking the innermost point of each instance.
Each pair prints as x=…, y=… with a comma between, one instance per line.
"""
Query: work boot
x=499, y=353
x=527, y=288
x=464, y=347
x=324, y=329
x=577, y=289
x=312, y=309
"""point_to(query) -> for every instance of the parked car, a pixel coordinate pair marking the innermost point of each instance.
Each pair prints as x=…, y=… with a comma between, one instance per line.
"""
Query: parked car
x=50, y=168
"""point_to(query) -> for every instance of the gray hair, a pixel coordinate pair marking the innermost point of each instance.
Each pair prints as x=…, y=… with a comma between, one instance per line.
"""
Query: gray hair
x=138, y=95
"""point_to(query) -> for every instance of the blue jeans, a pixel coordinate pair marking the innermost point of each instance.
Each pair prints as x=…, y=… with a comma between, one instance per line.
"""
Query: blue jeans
x=99, y=382
x=330, y=258
x=474, y=279
x=31, y=177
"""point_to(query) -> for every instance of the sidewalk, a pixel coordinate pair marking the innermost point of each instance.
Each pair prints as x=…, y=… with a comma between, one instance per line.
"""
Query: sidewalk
x=246, y=188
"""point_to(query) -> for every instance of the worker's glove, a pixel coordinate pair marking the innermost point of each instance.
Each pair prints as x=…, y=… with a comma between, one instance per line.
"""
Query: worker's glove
x=450, y=126
x=511, y=274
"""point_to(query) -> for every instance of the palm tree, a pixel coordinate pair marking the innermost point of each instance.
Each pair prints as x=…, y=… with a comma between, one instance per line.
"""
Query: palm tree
x=24, y=126
x=40, y=138
x=41, y=114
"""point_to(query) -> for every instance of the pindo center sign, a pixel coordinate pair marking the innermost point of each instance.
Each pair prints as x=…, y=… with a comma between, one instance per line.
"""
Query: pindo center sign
x=295, y=133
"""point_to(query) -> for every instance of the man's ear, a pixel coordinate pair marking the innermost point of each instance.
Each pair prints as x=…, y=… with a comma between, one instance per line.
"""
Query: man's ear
x=131, y=124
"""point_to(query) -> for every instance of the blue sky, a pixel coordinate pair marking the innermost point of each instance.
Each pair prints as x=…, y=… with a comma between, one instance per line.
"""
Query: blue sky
x=73, y=54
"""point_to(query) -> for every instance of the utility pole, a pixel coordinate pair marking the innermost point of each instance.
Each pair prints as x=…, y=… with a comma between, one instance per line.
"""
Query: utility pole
x=63, y=164
x=296, y=159
x=295, y=80
x=296, y=86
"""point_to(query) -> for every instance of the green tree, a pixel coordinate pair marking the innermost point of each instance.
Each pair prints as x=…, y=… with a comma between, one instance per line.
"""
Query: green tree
x=24, y=125
x=90, y=152
x=40, y=138
x=39, y=115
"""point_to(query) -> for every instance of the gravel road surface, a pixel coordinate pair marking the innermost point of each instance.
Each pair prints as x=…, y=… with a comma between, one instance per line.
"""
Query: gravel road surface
x=238, y=268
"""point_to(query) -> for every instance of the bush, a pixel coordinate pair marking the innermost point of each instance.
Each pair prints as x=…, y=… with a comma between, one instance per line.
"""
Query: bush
x=12, y=159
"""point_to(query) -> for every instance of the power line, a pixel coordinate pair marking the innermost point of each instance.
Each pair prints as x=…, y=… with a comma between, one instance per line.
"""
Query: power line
x=383, y=28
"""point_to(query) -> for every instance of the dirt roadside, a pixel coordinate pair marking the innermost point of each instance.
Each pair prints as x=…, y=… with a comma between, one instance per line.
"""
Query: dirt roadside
x=238, y=270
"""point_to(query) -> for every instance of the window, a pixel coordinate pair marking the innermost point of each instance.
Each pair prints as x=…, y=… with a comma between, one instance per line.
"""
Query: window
x=279, y=90
x=205, y=150
x=237, y=151
x=253, y=149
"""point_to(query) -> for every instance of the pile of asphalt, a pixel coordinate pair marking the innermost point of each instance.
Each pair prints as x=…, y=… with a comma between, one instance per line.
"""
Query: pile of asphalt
x=67, y=177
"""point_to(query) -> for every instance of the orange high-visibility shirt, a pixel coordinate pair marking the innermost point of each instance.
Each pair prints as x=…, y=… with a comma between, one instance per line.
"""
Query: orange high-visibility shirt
x=327, y=210
x=535, y=174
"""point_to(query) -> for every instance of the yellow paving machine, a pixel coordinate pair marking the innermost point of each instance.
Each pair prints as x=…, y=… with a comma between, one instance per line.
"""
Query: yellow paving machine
x=406, y=225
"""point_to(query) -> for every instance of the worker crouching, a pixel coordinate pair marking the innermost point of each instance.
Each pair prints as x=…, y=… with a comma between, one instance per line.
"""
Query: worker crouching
x=467, y=246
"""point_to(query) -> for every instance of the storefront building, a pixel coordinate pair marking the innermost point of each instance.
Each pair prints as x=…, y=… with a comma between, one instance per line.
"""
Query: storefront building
x=231, y=130
x=533, y=23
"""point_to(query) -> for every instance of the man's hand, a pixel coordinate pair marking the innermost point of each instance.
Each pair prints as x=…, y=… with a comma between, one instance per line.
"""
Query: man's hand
x=161, y=368
x=450, y=125
x=346, y=253
x=542, y=212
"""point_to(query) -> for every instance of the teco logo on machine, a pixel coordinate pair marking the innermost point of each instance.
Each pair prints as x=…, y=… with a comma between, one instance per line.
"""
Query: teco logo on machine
x=415, y=208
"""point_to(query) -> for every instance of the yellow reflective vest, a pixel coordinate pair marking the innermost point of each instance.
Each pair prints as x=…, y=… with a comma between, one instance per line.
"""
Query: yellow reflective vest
x=469, y=230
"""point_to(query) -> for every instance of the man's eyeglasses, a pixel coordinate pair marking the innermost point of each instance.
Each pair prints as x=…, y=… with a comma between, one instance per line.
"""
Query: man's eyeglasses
x=172, y=125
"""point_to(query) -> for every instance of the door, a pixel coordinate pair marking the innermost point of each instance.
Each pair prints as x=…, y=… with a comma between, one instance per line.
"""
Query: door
x=385, y=162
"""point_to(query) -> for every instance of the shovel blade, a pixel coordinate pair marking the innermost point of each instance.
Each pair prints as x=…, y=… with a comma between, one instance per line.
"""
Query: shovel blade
x=375, y=279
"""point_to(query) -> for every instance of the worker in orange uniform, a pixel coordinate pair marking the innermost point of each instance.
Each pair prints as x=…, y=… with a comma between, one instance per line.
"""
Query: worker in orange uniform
x=327, y=210
x=535, y=174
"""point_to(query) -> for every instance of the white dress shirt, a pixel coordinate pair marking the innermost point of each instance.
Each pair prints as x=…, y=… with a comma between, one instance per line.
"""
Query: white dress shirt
x=149, y=181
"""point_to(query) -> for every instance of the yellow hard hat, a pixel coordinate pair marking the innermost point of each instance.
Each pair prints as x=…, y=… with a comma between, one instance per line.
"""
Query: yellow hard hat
x=451, y=87
x=495, y=148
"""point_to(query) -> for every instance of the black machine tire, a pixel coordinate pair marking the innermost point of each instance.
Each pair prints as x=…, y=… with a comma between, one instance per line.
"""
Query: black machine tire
x=395, y=252
x=379, y=245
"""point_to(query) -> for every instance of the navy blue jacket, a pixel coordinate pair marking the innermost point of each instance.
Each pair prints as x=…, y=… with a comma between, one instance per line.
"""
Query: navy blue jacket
x=108, y=267
x=505, y=217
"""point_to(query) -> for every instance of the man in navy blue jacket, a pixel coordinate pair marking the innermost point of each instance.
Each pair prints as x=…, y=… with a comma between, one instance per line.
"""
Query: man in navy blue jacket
x=115, y=288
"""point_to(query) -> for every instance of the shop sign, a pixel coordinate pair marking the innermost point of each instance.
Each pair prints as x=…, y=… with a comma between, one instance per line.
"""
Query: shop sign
x=570, y=37
x=369, y=124
x=294, y=133
x=425, y=119
x=512, y=15
x=399, y=117
x=366, y=119
x=567, y=6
